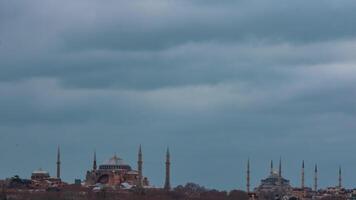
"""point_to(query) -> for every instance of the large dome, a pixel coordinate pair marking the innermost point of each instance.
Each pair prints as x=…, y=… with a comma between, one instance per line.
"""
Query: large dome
x=114, y=161
x=274, y=174
x=40, y=171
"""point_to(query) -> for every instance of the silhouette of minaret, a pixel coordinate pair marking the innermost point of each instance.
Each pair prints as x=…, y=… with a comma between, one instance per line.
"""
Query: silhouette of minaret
x=139, y=166
x=340, y=178
x=95, y=167
x=167, y=184
x=280, y=168
x=280, y=172
x=316, y=178
x=58, y=162
x=248, y=176
x=302, y=183
x=271, y=167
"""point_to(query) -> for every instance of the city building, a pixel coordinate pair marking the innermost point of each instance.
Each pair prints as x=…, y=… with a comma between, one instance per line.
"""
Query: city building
x=274, y=186
x=41, y=179
x=114, y=172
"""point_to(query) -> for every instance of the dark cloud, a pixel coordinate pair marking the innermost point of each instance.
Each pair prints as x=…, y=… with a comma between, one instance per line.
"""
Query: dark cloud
x=177, y=23
x=217, y=81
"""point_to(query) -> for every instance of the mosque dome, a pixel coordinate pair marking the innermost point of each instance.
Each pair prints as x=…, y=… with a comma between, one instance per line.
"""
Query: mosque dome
x=39, y=174
x=114, y=161
x=40, y=171
x=274, y=174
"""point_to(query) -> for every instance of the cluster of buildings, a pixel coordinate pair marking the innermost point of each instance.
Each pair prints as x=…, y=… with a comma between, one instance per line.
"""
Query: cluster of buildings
x=116, y=174
x=275, y=186
x=113, y=173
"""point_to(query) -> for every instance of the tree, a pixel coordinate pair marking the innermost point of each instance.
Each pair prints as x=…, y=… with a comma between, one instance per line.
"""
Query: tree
x=238, y=195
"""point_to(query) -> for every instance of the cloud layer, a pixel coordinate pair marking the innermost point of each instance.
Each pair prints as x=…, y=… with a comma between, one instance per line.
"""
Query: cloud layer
x=216, y=81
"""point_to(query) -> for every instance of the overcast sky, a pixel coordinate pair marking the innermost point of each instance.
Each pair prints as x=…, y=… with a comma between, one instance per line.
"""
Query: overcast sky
x=216, y=81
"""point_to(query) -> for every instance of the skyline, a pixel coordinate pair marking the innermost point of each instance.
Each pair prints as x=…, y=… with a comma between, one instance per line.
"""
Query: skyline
x=249, y=186
x=217, y=81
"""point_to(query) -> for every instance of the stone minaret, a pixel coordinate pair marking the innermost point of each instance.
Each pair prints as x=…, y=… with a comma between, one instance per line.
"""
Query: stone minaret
x=340, y=178
x=139, y=166
x=271, y=167
x=58, y=163
x=167, y=184
x=95, y=167
x=280, y=172
x=302, y=183
x=316, y=178
x=280, y=168
x=248, y=176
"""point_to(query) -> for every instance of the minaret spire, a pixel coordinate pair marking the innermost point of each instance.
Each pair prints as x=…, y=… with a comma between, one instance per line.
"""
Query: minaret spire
x=302, y=183
x=271, y=167
x=167, y=184
x=95, y=167
x=139, y=166
x=316, y=178
x=280, y=167
x=58, y=162
x=248, y=176
x=340, y=178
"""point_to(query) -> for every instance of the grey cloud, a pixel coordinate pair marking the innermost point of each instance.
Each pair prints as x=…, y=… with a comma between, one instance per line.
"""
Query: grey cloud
x=189, y=64
x=180, y=23
x=217, y=81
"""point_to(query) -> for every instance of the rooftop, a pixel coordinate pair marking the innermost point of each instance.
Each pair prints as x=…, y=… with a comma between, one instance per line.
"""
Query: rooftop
x=114, y=161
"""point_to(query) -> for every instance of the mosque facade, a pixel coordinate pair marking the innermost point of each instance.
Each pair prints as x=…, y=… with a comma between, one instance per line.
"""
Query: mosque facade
x=41, y=179
x=274, y=186
x=114, y=172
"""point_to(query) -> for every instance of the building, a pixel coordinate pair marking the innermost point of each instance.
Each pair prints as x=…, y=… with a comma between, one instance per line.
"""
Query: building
x=274, y=185
x=114, y=172
x=41, y=179
x=40, y=175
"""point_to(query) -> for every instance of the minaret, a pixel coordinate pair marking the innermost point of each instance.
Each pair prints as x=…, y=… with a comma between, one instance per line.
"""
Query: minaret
x=58, y=162
x=280, y=172
x=139, y=166
x=271, y=167
x=340, y=178
x=167, y=184
x=95, y=167
x=316, y=178
x=302, y=183
x=248, y=176
x=280, y=168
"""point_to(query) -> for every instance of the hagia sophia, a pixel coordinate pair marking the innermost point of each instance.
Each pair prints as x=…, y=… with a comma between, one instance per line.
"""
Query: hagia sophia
x=114, y=173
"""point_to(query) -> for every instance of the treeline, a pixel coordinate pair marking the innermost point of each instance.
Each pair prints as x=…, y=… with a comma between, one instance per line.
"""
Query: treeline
x=190, y=191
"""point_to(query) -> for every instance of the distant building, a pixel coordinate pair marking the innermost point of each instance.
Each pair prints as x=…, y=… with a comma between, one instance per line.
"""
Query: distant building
x=40, y=175
x=115, y=172
x=41, y=179
x=274, y=183
x=274, y=186
x=77, y=182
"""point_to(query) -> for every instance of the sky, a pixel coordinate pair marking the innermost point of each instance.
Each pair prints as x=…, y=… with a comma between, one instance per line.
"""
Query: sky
x=217, y=82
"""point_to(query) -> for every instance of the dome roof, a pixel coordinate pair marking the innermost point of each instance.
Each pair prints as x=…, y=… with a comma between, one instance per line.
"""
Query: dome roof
x=274, y=174
x=40, y=171
x=114, y=161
